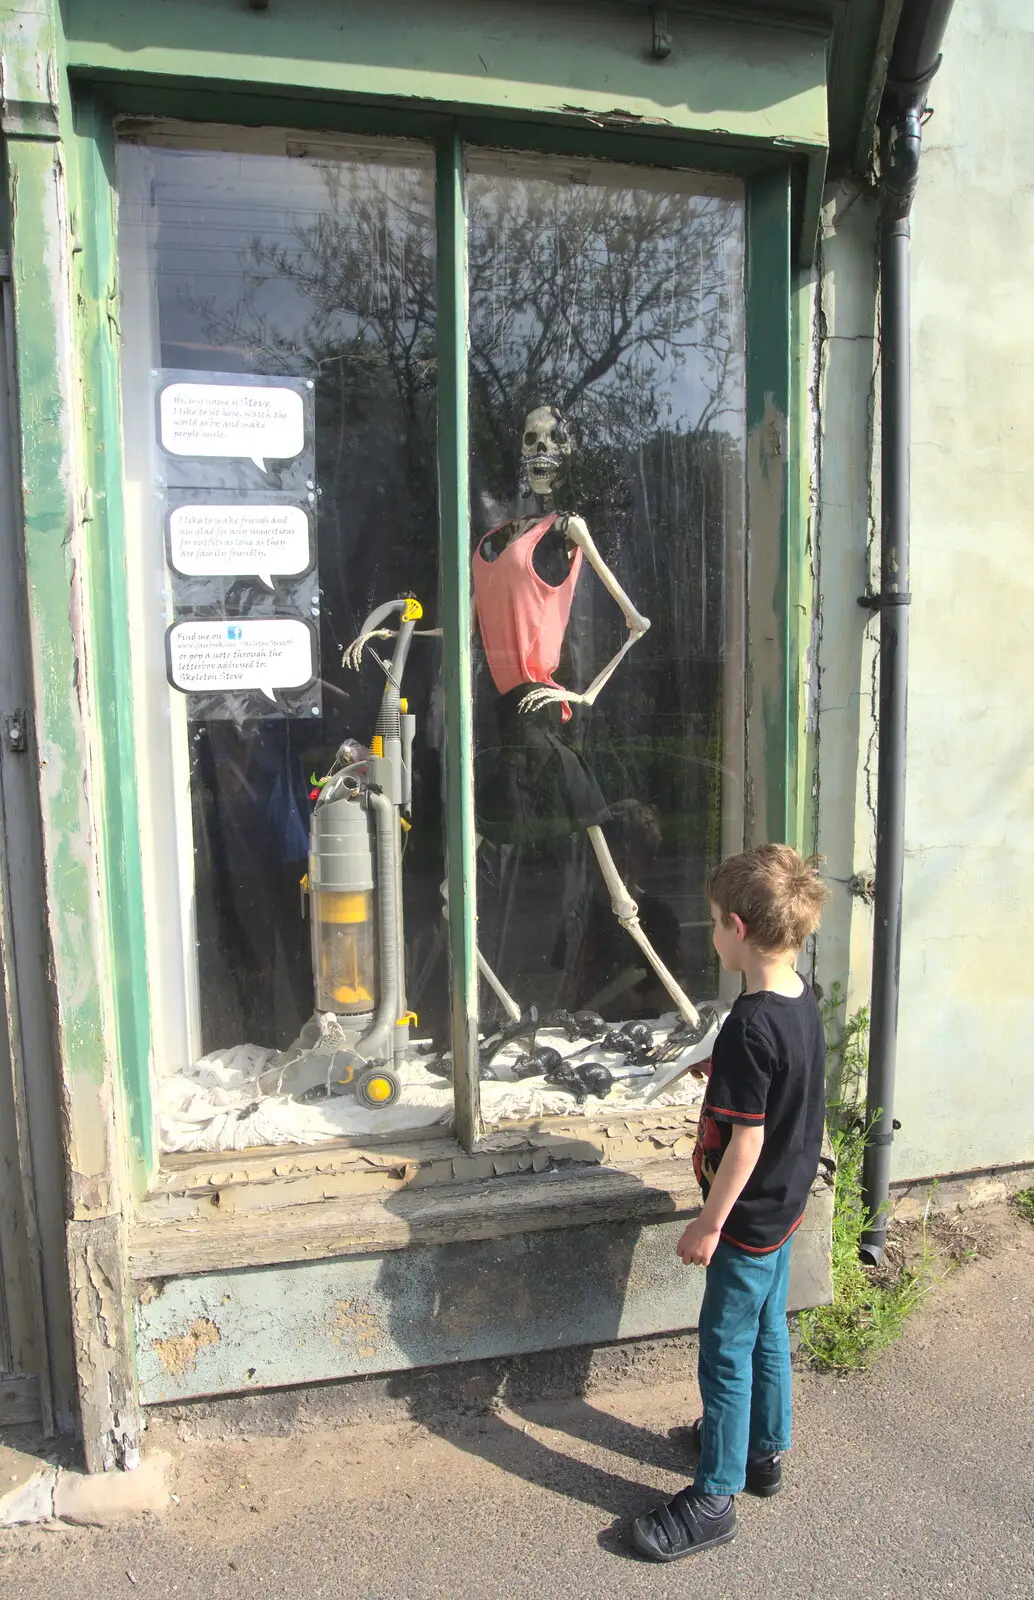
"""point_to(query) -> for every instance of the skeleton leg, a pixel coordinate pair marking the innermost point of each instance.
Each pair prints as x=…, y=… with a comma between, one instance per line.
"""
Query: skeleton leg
x=509, y=1004
x=627, y=913
x=506, y=1000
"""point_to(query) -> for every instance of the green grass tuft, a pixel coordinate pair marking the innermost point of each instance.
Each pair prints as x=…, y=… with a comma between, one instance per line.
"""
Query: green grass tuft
x=870, y=1304
x=1023, y=1200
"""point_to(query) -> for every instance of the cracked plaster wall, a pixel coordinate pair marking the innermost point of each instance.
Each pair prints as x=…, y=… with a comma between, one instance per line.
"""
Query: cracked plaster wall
x=965, y=1078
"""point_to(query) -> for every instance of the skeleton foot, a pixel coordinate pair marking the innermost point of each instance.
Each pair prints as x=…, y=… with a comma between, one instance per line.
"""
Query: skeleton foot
x=627, y=912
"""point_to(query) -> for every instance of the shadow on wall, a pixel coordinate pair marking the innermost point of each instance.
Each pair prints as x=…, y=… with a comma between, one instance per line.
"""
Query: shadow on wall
x=564, y=1290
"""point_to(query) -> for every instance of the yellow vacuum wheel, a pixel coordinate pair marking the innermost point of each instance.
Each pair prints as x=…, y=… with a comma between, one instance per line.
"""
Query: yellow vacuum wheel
x=378, y=1087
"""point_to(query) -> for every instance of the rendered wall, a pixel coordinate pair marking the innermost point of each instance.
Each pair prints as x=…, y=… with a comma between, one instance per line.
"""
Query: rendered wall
x=965, y=1086
x=306, y=1322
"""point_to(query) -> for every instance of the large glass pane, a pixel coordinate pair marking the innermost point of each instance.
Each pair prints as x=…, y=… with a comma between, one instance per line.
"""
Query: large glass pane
x=278, y=327
x=607, y=452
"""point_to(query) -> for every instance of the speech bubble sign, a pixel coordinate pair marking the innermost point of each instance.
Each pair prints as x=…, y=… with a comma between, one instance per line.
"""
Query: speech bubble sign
x=257, y=422
x=208, y=541
x=235, y=655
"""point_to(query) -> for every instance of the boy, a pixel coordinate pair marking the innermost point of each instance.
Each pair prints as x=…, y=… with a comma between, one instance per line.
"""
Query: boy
x=757, y=1154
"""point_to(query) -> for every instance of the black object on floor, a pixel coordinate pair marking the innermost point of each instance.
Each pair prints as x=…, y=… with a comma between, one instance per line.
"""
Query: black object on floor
x=683, y=1526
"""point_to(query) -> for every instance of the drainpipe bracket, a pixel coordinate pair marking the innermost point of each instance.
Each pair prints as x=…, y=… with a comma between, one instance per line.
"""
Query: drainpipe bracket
x=876, y=602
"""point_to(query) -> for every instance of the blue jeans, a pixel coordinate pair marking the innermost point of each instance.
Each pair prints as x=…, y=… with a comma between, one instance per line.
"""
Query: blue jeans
x=744, y=1366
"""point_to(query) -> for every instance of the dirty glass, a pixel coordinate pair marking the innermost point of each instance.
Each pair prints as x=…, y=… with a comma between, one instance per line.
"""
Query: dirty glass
x=607, y=419
x=278, y=333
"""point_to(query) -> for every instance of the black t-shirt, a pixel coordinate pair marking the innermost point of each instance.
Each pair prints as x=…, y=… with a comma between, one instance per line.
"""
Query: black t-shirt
x=768, y=1069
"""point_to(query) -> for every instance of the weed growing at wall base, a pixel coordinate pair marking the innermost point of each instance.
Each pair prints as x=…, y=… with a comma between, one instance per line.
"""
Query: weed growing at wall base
x=1023, y=1200
x=870, y=1304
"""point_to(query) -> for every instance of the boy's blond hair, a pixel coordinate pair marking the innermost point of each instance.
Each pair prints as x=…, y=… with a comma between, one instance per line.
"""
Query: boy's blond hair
x=776, y=893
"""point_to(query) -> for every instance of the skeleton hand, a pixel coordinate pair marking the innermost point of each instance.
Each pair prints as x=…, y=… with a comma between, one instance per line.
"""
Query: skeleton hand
x=548, y=697
x=352, y=654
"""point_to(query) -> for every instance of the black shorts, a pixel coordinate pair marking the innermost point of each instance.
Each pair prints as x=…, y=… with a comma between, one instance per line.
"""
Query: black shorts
x=533, y=788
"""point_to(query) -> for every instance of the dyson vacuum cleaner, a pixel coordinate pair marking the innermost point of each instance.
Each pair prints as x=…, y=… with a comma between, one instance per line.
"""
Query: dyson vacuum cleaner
x=359, y=1031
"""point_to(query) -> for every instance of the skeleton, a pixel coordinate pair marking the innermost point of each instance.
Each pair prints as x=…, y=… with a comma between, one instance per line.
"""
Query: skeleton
x=546, y=449
x=544, y=461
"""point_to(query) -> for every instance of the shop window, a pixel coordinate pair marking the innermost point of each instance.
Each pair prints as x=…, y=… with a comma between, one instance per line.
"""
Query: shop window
x=279, y=411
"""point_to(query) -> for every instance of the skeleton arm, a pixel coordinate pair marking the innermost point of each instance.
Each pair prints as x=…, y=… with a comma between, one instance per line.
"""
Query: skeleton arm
x=578, y=534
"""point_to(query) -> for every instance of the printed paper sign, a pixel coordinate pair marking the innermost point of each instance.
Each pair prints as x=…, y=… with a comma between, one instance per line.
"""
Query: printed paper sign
x=232, y=656
x=256, y=422
x=208, y=541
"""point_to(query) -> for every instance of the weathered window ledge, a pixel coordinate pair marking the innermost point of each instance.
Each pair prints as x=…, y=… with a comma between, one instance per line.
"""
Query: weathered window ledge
x=522, y=1180
x=260, y=1207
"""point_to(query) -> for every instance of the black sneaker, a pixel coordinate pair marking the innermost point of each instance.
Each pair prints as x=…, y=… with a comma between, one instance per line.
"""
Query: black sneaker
x=685, y=1525
x=764, y=1473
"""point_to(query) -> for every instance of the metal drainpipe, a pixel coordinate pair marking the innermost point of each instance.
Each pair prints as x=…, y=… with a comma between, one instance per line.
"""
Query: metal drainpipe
x=914, y=60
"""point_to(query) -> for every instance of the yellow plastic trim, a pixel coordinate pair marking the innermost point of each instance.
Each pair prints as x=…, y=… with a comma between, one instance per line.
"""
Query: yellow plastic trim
x=377, y=745
x=378, y=1089
x=412, y=611
x=408, y=1017
x=340, y=906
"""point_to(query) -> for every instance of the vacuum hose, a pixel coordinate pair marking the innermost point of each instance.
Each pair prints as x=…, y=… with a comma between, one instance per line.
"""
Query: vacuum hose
x=376, y=1043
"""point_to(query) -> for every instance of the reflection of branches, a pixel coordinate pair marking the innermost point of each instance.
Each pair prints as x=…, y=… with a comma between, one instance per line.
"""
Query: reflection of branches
x=618, y=303
x=599, y=298
x=360, y=282
x=604, y=299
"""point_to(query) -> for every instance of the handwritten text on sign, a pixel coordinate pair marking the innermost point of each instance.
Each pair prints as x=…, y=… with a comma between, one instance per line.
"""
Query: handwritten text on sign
x=239, y=541
x=256, y=422
x=234, y=656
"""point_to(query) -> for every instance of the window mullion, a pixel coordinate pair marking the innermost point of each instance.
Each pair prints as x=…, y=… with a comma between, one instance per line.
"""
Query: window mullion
x=454, y=514
x=770, y=747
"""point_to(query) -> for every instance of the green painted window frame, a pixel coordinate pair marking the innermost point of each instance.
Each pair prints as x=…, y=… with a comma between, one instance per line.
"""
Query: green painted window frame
x=776, y=625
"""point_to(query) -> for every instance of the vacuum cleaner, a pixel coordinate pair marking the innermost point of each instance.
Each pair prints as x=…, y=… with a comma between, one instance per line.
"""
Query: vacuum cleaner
x=360, y=1029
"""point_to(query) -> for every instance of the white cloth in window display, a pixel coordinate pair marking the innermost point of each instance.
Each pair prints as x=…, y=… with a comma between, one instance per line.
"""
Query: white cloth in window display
x=217, y=1104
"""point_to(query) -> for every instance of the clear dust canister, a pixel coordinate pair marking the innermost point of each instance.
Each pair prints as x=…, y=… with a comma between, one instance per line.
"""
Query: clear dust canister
x=342, y=909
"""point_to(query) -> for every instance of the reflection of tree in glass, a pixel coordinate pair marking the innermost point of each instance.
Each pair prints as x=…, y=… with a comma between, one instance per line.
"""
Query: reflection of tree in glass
x=620, y=303
x=613, y=302
x=362, y=275
x=359, y=311
x=600, y=298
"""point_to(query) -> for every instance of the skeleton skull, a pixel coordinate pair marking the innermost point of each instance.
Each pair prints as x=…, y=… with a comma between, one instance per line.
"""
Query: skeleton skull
x=545, y=448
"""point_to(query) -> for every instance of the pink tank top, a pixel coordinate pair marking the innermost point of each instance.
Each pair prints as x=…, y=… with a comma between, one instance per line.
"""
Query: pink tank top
x=523, y=619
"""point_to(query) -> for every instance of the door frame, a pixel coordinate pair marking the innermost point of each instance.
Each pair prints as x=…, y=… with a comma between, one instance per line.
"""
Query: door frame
x=35, y=1341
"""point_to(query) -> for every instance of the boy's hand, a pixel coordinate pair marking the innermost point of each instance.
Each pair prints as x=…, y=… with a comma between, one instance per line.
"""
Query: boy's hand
x=698, y=1244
